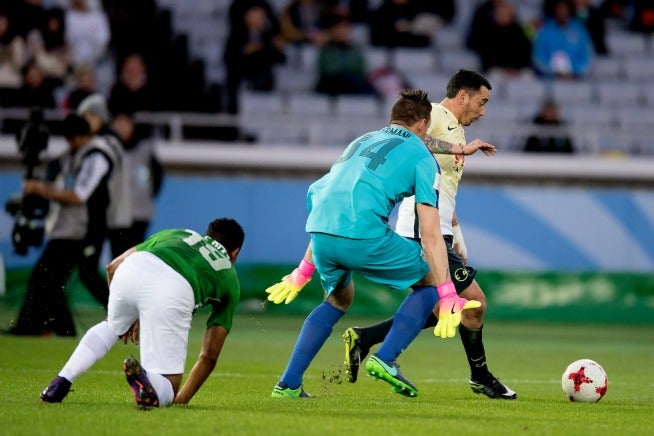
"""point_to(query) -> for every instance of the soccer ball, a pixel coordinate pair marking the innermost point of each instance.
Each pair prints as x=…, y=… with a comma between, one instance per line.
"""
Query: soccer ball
x=584, y=380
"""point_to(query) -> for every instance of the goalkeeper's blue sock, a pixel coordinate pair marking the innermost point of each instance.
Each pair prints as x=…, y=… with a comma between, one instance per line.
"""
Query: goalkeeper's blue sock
x=316, y=329
x=408, y=321
x=95, y=343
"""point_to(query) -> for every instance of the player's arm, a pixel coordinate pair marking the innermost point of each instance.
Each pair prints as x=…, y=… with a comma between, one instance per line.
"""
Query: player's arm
x=438, y=146
x=432, y=242
x=458, y=243
x=212, y=345
x=287, y=289
x=450, y=304
x=111, y=267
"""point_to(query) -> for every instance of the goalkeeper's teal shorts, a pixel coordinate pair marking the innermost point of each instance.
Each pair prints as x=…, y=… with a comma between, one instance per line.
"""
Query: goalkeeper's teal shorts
x=391, y=260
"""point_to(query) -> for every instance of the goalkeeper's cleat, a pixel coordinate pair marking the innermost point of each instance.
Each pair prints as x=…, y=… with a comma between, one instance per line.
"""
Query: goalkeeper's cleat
x=390, y=373
x=281, y=390
x=144, y=394
x=354, y=353
x=56, y=390
x=492, y=388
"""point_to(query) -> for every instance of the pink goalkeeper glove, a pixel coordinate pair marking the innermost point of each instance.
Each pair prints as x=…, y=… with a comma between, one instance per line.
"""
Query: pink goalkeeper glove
x=292, y=284
x=451, y=305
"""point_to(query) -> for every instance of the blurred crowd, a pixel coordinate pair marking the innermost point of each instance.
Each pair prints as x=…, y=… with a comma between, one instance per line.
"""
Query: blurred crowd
x=52, y=51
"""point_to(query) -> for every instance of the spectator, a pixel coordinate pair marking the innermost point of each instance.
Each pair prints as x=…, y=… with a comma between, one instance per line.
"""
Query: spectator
x=47, y=45
x=499, y=18
x=146, y=175
x=133, y=92
x=12, y=54
x=303, y=21
x=237, y=11
x=87, y=32
x=84, y=86
x=341, y=64
x=392, y=25
x=119, y=213
x=593, y=18
x=28, y=15
x=642, y=17
x=562, y=46
x=35, y=90
x=250, y=54
x=356, y=10
x=544, y=141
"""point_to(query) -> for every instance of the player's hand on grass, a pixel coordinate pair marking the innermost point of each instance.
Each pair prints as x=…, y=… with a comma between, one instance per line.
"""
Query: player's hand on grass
x=291, y=285
x=450, y=307
x=477, y=144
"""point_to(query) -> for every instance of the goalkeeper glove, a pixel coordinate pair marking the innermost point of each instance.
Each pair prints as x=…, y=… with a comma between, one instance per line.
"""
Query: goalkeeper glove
x=291, y=285
x=451, y=305
x=458, y=243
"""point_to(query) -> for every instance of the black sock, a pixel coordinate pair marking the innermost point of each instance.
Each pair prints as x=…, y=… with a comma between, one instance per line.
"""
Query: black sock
x=472, y=343
x=375, y=334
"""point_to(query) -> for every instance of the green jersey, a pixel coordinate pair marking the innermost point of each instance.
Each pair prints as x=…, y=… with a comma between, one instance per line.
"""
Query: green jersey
x=205, y=264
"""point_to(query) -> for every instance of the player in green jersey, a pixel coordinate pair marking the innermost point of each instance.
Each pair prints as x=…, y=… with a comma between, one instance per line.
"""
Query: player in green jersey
x=154, y=289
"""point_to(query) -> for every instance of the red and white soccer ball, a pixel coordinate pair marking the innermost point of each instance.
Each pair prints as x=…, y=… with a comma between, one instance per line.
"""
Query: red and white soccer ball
x=585, y=381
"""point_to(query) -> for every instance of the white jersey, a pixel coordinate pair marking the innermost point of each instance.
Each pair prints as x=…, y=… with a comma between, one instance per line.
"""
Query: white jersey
x=446, y=127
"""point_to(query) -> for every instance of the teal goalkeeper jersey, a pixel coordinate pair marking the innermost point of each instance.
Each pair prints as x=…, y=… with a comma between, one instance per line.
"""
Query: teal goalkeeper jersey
x=374, y=173
x=205, y=264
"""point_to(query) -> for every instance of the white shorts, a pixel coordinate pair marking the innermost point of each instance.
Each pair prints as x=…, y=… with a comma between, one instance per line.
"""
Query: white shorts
x=145, y=288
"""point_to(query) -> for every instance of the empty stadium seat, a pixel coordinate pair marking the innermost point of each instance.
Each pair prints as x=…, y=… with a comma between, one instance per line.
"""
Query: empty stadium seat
x=347, y=106
x=620, y=93
x=310, y=104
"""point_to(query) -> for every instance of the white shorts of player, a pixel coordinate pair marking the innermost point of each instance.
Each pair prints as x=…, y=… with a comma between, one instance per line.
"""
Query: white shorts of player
x=145, y=288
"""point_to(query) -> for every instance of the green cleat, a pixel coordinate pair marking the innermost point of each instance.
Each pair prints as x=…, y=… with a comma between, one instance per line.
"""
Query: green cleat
x=390, y=373
x=354, y=353
x=281, y=390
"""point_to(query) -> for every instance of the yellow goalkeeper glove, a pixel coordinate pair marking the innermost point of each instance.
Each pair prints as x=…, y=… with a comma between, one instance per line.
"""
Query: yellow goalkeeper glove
x=449, y=314
x=291, y=285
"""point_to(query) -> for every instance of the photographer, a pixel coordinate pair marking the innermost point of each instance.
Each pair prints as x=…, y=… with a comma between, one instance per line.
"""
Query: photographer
x=119, y=213
x=76, y=227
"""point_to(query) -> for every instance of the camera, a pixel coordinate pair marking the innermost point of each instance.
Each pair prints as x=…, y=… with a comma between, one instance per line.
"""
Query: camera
x=29, y=211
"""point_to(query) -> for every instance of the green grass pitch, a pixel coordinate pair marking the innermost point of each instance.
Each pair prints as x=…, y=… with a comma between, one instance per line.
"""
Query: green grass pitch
x=529, y=357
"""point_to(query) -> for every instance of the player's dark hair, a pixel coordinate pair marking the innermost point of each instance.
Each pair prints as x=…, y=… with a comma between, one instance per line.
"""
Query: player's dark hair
x=74, y=125
x=468, y=80
x=226, y=231
x=411, y=106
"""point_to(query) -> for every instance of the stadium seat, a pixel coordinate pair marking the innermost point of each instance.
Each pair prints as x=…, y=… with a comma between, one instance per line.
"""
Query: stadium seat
x=632, y=119
x=450, y=62
x=435, y=84
x=377, y=57
x=607, y=68
x=347, y=106
x=519, y=91
x=417, y=60
x=640, y=69
x=449, y=39
x=577, y=93
x=591, y=116
x=620, y=93
x=291, y=80
x=310, y=104
x=624, y=45
x=257, y=103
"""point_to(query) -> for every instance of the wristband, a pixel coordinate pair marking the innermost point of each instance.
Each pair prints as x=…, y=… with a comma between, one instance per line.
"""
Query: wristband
x=446, y=289
x=306, y=268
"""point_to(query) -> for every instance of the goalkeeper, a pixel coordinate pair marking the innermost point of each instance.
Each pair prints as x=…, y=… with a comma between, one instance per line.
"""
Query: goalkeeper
x=348, y=221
